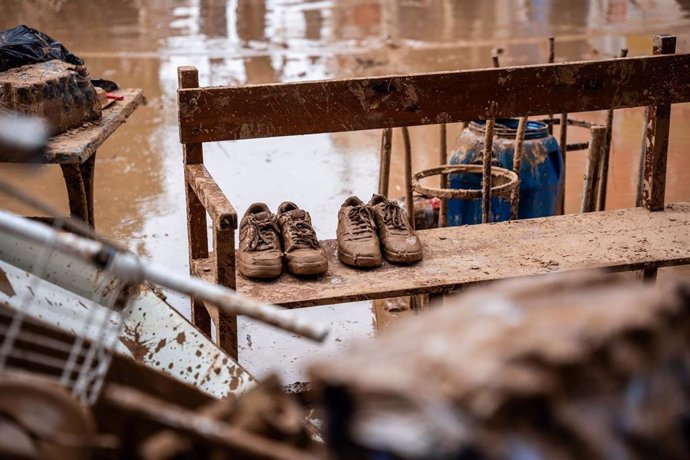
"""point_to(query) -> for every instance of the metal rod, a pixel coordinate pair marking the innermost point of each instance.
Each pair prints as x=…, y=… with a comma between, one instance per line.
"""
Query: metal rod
x=443, y=160
x=385, y=163
x=563, y=141
x=601, y=203
x=486, y=170
x=409, y=199
x=517, y=164
x=643, y=154
x=133, y=269
x=593, y=166
x=551, y=59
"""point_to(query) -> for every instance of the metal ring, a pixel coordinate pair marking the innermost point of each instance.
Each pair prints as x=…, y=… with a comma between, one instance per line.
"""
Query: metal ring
x=504, y=190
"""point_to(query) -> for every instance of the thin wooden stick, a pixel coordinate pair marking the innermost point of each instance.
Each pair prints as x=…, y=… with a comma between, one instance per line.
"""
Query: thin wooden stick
x=596, y=152
x=443, y=160
x=385, y=162
x=517, y=164
x=486, y=170
x=409, y=199
x=601, y=204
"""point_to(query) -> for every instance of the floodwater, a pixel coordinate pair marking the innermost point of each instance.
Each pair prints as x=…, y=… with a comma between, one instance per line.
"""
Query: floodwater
x=139, y=196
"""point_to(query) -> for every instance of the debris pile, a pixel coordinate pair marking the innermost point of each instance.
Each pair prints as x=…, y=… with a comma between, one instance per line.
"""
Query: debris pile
x=57, y=91
x=560, y=368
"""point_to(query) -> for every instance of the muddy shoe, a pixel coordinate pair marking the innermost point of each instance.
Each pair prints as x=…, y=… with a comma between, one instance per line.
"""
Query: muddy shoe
x=399, y=242
x=358, y=244
x=303, y=252
x=260, y=255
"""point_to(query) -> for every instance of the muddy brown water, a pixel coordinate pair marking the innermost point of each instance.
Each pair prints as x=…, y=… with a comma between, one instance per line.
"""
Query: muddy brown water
x=139, y=189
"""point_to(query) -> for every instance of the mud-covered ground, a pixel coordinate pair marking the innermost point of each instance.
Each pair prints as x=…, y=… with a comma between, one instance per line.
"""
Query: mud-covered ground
x=139, y=188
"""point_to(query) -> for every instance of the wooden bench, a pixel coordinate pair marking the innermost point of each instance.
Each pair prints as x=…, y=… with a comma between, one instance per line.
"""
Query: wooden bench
x=621, y=240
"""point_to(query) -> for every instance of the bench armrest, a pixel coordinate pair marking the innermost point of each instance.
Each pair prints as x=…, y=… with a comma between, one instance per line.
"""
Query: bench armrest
x=211, y=196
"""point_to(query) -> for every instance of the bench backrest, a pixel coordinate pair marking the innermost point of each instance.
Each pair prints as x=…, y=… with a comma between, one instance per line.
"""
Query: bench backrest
x=229, y=113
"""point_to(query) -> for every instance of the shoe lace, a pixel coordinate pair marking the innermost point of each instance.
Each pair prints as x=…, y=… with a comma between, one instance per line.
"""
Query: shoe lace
x=362, y=220
x=262, y=235
x=302, y=234
x=394, y=217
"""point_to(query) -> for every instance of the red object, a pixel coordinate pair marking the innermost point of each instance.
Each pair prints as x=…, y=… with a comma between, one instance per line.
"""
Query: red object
x=115, y=97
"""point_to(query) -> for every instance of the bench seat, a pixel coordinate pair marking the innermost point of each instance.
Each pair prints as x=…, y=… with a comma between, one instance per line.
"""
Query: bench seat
x=626, y=239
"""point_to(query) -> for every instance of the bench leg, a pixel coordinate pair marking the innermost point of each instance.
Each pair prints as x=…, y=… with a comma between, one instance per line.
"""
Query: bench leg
x=79, y=182
x=200, y=317
x=76, y=192
x=88, y=169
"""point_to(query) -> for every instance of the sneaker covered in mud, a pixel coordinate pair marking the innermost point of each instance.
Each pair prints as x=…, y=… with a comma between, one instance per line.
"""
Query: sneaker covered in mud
x=303, y=252
x=399, y=242
x=260, y=255
x=358, y=244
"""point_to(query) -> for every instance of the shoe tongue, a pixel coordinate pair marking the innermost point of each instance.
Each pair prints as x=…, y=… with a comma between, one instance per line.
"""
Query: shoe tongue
x=264, y=215
x=297, y=213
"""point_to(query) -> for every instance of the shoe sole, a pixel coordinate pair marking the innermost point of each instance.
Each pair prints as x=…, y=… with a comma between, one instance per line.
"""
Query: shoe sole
x=308, y=269
x=403, y=257
x=359, y=261
x=263, y=271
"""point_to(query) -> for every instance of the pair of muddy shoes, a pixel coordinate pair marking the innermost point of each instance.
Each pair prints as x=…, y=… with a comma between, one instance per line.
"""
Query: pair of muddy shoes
x=266, y=240
x=369, y=232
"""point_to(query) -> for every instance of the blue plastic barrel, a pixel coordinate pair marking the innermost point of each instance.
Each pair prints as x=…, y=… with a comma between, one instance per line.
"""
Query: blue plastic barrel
x=541, y=172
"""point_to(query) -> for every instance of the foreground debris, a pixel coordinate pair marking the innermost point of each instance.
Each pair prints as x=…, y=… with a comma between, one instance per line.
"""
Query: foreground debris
x=564, y=368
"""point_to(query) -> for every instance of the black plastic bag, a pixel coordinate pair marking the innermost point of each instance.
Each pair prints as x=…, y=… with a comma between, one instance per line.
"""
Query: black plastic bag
x=23, y=45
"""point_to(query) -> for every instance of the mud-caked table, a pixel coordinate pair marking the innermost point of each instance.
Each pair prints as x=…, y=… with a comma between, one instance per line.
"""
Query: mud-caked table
x=75, y=152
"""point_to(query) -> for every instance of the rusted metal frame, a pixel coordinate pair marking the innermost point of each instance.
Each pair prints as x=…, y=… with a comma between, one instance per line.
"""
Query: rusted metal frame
x=658, y=122
x=517, y=164
x=486, y=170
x=563, y=141
x=188, y=77
x=504, y=190
x=443, y=160
x=156, y=412
x=409, y=199
x=385, y=102
x=657, y=140
x=385, y=161
x=601, y=204
x=551, y=59
x=593, y=168
x=76, y=192
x=643, y=155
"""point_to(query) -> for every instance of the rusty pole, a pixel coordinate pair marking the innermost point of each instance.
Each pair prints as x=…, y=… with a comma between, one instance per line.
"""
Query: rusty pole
x=659, y=120
x=486, y=170
x=517, y=163
x=563, y=141
x=409, y=199
x=596, y=152
x=385, y=162
x=443, y=160
x=551, y=60
x=601, y=206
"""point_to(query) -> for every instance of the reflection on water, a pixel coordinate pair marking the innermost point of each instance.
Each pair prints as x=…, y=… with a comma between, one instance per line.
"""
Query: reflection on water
x=139, y=194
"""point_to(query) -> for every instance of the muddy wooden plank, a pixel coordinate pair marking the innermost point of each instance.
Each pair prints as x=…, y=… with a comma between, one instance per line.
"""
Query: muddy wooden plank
x=456, y=256
x=226, y=113
x=76, y=145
